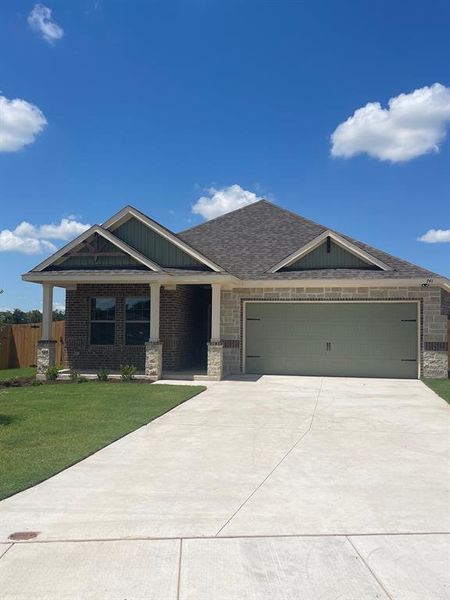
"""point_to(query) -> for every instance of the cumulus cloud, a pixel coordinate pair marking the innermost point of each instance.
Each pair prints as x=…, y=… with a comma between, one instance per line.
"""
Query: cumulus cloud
x=435, y=236
x=20, y=123
x=40, y=20
x=220, y=201
x=412, y=125
x=31, y=239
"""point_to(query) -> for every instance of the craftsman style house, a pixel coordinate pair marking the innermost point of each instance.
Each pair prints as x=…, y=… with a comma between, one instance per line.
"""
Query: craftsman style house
x=259, y=290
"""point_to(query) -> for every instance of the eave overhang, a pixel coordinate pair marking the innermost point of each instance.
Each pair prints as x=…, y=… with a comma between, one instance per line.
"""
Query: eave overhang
x=88, y=277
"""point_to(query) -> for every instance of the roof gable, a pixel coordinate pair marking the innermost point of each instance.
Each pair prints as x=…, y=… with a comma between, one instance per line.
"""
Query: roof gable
x=249, y=241
x=156, y=247
x=329, y=251
x=156, y=242
x=96, y=248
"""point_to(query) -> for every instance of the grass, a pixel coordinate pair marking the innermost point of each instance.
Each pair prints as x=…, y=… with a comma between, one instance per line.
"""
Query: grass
x=47, y=428
x=11, y=373
x=440, y=386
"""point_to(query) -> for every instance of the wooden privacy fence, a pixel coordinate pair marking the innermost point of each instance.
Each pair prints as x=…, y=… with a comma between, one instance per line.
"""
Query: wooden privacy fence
x=18, y=344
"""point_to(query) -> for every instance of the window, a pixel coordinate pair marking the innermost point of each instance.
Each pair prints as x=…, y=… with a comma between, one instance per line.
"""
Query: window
x=137, y=321
x=103, y=321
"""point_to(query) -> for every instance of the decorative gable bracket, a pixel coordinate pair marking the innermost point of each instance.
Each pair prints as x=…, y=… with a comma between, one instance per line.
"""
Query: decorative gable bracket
x=325, y=237
x=83, y=240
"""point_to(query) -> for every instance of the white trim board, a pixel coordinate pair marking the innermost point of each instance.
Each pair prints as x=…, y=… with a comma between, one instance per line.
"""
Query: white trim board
x=340, y=241
x=128, y=212
x=70, y=279
x=333, y=301
x=108, y=236
x=351, y=283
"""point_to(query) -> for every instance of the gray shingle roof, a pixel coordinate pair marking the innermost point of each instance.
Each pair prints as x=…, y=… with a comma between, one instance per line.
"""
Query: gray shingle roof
x=249, y=241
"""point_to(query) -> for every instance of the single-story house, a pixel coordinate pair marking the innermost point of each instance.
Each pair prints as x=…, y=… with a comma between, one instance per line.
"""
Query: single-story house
x=258, y=290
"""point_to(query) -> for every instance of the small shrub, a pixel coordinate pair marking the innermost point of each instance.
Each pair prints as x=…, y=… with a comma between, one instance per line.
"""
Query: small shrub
x=51, y=374
x=37, y=382
x=74, y=375
x=82, y=379
x=127, y=372
x=103, y=375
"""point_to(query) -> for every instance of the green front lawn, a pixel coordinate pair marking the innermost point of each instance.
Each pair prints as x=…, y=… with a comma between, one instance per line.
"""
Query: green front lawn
x=440, y=386
x=47, y=428
x=11, y=373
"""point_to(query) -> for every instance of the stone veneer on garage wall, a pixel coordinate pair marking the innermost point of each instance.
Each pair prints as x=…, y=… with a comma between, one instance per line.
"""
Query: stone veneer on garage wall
x=434, y=302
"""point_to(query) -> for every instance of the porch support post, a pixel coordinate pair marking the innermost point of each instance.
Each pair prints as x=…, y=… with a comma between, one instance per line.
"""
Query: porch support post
x=153, y=348
x=215, y=347
x=46, y=347
x=155, y=289
x=215, y=312
x=47, y=311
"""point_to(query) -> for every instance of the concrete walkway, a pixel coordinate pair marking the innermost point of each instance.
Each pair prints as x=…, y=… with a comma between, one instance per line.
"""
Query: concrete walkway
x=278, y=488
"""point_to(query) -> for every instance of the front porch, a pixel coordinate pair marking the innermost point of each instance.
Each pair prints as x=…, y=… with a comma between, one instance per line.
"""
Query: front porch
x=162, y=330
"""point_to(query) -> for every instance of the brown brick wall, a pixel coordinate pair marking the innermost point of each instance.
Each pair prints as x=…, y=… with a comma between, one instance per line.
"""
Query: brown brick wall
x=181, y=316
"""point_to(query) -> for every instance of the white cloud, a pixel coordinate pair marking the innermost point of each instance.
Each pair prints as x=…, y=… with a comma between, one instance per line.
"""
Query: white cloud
x=20, y=123
x=412, y=125
x=64, y=230
x=31, y=239
x=223, y=200
x=40, y=19
x=435, y=236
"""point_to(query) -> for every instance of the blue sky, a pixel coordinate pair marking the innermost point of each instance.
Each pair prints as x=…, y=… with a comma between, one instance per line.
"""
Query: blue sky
x=155, y=103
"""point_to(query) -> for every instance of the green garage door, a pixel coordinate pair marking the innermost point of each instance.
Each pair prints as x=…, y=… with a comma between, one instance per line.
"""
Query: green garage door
x=365, y=339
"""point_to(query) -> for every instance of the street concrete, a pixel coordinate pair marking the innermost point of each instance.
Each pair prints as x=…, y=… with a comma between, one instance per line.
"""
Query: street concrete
x=277, y=474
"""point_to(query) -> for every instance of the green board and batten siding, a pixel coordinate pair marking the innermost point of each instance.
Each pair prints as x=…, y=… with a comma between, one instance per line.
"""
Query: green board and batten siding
x=155, y=247
x=332, y=339
x=336, y=258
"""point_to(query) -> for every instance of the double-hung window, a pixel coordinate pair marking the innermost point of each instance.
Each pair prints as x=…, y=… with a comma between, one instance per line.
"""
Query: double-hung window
x=103, y=321
x=137, y=321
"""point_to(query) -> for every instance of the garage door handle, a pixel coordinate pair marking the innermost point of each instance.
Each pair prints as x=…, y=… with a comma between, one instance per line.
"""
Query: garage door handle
x=408, y=359
x=252, y=356
x=253, y=319
x=328, y=346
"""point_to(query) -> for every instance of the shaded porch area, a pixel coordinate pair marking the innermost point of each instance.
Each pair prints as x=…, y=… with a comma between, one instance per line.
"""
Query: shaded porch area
x=170, y=331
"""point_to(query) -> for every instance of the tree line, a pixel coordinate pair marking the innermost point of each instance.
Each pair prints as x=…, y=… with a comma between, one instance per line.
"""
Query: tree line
x=17, y=316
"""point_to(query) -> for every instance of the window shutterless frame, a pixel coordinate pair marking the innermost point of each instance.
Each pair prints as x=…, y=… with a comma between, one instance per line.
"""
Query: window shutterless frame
x=102, y=315
x=136, y=312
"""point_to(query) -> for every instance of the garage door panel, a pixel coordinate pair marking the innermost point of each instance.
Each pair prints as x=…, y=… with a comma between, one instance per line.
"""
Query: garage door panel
x=354, y=339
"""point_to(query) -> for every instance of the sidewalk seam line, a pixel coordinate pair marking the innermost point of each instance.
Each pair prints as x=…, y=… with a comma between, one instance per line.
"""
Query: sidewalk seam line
x=279, y=462
x=180, y=557
x=371, y=571
x=225, y=537
x=7, y=550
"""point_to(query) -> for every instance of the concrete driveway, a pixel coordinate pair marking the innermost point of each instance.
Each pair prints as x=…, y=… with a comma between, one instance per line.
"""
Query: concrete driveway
x=278, y=488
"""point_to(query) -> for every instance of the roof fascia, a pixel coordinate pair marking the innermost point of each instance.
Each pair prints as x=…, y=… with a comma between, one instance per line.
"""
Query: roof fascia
x=108, y=236
x=68, y=279
x=313, y=244
x=126, y=213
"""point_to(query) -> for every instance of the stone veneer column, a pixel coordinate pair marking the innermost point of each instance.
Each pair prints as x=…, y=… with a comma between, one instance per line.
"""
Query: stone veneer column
x=153, y=348
x=435, y=364
x=153, y=360
x=46, y=347
x=46, y=352
x=215, y=361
